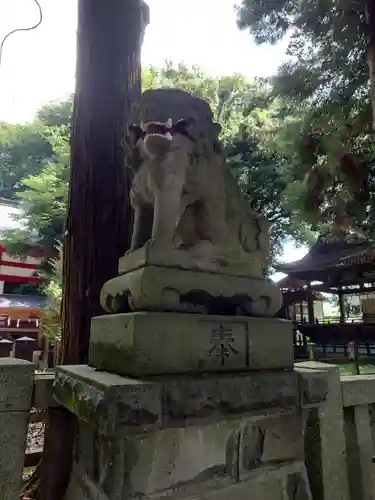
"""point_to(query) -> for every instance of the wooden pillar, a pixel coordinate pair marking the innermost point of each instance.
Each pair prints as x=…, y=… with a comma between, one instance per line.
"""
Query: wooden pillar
x=342, y=307
x=99, y=219
x=370, y=19
x=109, y=39
x=310, y=304
x=301, y=310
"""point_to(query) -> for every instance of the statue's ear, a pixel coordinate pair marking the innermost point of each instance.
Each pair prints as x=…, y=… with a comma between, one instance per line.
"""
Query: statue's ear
x=135, y=133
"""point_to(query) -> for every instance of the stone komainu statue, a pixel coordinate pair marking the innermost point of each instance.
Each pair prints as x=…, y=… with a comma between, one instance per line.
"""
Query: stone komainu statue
x=197, y=246
x=183, y=194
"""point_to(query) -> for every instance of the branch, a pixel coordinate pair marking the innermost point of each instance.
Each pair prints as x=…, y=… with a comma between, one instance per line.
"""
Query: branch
x=21, y=29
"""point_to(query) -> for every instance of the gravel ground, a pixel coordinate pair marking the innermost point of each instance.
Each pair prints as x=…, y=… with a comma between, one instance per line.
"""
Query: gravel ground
x=35, y=437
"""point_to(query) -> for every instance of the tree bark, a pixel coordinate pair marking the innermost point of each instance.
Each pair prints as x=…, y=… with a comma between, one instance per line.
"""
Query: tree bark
x=98, y=226
x=370, y=17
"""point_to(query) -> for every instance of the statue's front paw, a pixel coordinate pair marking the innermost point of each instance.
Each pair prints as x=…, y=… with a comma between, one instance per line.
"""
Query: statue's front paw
x=159, y=246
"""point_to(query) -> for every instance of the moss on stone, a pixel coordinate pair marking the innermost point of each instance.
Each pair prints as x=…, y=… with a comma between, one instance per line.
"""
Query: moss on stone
x=111, y=358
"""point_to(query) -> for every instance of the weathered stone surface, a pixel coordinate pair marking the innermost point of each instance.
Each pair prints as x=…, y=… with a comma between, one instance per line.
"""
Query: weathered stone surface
x=159, y=343
x=200, y=443
x=358, y=390
x=284, y=438
x=43, y=394
x=118, y=402
x=183, y=194
x=251, y=446
x=297, y=487
x=266, y=489
x=224, y=395
x=181, y=463
x=16, y=387
x=157, y=461
x=313, y=386
x=164, y=288
x=269, y=487
x=12, y=454
x=111, y=401
x=271, y=440
x=326, y=454
x=177, y=259
x=16, y=382
x=265, y=484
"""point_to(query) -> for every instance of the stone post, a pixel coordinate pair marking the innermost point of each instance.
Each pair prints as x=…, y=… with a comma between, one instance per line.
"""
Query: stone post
x=5, y=348
x=24, y=348
x=16, y=387
x=325, y=435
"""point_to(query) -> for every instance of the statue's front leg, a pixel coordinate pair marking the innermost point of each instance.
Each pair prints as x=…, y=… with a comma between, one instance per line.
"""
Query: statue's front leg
x=142, y=226
x=167, y=201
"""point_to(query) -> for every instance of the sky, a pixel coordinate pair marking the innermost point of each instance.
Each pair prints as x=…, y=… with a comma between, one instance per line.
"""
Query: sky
x=39, y=66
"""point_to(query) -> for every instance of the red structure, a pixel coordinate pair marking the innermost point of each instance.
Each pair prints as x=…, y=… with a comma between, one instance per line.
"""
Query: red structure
x=15, y=270
x=19, y=314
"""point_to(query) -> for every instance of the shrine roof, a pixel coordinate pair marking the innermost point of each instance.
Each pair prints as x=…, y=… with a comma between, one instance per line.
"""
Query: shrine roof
x=333, y=253
x=27, y=301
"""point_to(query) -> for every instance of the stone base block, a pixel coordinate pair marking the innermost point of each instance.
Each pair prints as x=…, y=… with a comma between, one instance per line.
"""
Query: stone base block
x=229, y=437
x=156, y=288
x=182, y=259
x=116, y=403
x=154, y=343
x=221, y=460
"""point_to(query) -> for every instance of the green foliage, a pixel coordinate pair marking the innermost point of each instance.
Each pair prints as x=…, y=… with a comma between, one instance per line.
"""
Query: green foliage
x=56, y=114
x=51, y=315
x=43, y=205
x=29, y=289
x=23, y=149
x=232, y=98
x=43, y=189
x=328, y=139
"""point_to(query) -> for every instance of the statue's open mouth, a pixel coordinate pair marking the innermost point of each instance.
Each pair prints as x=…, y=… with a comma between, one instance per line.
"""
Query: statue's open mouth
x=167, y=129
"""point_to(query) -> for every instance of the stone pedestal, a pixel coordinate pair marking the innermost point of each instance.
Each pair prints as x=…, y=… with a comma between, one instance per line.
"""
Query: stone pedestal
x=218, y=436
x=153, y=343
x=188, y=404
x=185, y=284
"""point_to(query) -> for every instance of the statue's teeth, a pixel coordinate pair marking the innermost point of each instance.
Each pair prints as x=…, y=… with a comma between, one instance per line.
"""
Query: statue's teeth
x=168, y=135
x=169, y=123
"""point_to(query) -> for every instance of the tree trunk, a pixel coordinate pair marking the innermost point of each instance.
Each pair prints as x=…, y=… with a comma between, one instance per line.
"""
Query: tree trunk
x=98, y=227
x=370, y=17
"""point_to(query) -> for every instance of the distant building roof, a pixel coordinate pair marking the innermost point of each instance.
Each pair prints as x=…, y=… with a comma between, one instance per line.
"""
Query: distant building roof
x=333, y=253
x=32, y=301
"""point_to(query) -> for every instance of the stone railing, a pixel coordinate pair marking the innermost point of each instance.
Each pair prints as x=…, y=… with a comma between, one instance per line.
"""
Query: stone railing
x=338, y=440
x=20, y=391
